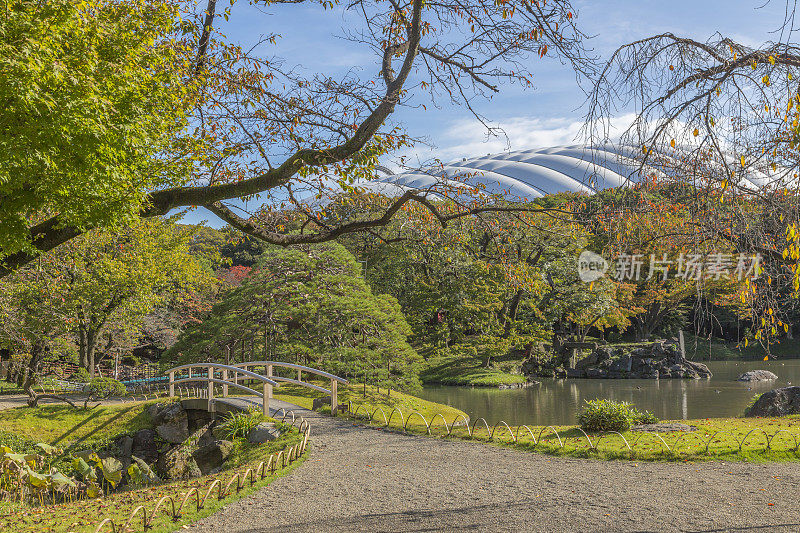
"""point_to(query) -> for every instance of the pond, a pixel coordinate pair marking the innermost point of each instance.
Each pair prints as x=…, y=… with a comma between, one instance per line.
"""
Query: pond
x=557, y=401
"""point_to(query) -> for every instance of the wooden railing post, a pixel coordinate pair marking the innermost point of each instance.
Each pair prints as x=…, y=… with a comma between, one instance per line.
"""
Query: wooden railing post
x=334, y=398
x=299, y=375
x=171, y=384
x=210, y=383
x=225, y=386
x=267, y=386
x=265, y=395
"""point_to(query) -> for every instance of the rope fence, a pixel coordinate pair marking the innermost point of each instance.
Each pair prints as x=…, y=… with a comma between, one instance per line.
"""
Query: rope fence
x=198, y=496
x=781, y=440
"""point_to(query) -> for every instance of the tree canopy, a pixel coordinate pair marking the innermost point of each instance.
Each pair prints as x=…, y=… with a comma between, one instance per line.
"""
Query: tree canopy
x=94, y=103
x=310, y=305
x=250, y=126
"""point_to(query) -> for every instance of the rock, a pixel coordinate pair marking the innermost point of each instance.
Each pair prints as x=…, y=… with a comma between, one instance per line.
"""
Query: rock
x=701, y=369
x=144, y=445
x=521, y=385
x=662, y=427
x=125, y=451
x=171, y=421
x=209, y=458
x=264, y=432
x=596, y=373
x=319, y=402
x=778, y=402
x=757, y=375
x=576, y=373
x=178, y=463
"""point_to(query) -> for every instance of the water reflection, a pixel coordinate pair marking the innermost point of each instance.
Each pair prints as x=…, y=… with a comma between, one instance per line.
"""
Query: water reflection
x=557, y=401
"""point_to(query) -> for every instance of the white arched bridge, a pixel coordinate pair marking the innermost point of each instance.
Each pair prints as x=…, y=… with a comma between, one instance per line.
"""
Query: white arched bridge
x=235, y=376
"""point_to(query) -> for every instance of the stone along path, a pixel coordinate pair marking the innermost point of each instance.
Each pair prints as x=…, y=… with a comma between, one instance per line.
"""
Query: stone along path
x=364, y=479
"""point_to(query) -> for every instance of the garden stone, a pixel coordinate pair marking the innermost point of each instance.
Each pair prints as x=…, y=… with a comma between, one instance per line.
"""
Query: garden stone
x=575, y=373
x=757, y=375
x=178, y=463
x=144, y=445
x=596, y=373
x=778, y=402
x=264, y=432
x=171, y=421
x=209, y=458
x=319, y=402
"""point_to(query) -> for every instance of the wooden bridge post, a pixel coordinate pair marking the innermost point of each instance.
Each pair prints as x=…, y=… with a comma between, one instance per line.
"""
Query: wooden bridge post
x=299, y=375
x=225, y=386
x=265, y=395
x=210, y=383
x=171, y=384
x=267, y=386
x=334, y=398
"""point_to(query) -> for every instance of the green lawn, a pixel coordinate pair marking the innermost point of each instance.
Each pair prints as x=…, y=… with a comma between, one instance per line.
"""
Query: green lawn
x=66, y=427
x=373, y=400
x=697, y=349
x=453, y=370
x=98, y=426
x=722, y=435
x=9, y=388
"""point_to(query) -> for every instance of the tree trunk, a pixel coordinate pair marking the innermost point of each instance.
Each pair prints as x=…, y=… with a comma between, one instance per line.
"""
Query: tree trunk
x=37, y=350
x=87, y=343
x=511, y=314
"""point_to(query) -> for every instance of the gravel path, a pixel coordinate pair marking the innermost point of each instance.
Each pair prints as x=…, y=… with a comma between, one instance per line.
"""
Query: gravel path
x=363, y=479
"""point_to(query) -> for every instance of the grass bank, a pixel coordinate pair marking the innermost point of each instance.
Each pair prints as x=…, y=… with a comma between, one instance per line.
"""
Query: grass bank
x=456, y=370
x=372, y=400
x=93, y=428
x=730, y=439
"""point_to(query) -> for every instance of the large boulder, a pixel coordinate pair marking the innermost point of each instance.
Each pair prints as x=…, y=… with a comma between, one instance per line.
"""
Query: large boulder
x=171, y=421
x=264, y=432
x=778, y=402
x=209, y=458
x=757, y=375
x=178, y=463
x=145, y=446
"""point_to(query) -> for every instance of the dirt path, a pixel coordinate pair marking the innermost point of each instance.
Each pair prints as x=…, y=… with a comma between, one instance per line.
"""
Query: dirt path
x=362, y=479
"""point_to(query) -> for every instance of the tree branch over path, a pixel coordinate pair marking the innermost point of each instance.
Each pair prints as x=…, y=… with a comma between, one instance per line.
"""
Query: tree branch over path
x=249, y=110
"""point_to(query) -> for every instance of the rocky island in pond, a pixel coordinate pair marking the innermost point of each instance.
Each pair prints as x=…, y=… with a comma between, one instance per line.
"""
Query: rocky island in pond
x=654, y=360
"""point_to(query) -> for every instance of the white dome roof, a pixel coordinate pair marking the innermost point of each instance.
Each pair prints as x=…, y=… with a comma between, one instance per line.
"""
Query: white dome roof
x=529, y=174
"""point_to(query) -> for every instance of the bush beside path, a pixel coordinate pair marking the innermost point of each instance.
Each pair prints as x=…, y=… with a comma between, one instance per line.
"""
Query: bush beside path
x=365, y=479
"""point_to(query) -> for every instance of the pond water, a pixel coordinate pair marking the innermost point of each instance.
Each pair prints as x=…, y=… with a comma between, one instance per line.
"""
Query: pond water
x=557, y=401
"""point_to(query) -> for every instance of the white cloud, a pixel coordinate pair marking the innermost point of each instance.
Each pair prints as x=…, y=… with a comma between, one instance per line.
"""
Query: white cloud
x=468, y=138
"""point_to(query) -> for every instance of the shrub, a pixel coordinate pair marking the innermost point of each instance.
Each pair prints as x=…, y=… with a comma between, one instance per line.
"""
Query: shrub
x=79, y=376
x=610, y=415
x=240, y=424
x=103, y=387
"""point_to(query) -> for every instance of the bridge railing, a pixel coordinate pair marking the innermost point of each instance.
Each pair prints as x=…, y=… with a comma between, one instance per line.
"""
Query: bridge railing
x=269, y=365
x=231, y=374
x=210, y=378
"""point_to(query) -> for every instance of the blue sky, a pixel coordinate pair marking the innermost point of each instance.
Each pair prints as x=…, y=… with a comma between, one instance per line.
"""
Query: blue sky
x=549, y=114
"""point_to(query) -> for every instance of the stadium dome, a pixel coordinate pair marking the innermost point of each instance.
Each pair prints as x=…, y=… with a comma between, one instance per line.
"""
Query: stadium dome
x=529, y=174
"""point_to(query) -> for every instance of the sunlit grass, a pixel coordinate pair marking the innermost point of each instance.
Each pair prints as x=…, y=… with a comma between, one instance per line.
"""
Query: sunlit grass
x=99, y=425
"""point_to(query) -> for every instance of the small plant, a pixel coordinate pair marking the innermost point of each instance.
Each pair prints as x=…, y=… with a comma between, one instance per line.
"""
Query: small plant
x=240, y=424
x=104, y=387
x=610, y=415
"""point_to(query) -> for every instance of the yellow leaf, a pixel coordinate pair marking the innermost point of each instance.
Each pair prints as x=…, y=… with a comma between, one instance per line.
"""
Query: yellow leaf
x=696, y=132
x=766, y=358
x=672, y=143
x=742, y=160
